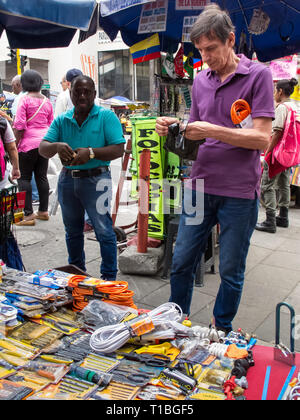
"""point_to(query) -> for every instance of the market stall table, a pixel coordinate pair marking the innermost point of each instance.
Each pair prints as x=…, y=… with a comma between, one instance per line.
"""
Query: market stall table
x=264, y=357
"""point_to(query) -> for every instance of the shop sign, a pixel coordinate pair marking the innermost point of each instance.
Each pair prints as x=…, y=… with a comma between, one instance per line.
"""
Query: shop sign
x=153, y=17
x=104, y=39
x=108, y=7
x=191, y=4
x=188, y=23
x=285, y=68
x=147, y=138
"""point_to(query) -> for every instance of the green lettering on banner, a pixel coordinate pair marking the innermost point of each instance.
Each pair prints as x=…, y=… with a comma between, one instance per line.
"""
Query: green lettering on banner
x=147, y=138
x=172, y=197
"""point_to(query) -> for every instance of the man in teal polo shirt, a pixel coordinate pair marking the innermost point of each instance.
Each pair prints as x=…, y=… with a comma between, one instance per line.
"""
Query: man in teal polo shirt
x=86, y=139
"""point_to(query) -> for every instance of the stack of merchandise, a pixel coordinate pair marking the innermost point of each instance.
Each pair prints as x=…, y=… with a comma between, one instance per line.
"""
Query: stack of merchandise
x=86, y=288
x=35, y=294
x=108, y=351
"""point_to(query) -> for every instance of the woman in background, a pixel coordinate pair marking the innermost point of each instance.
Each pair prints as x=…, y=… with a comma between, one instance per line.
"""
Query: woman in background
x=33, y=118
x=283, y=90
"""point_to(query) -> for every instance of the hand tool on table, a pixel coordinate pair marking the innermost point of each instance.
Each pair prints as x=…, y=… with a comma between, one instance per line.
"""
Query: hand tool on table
x=185, y=382
x=166, y=383
x=165, y=348
x=14, y=350
x=155, y=360
x=99, y=363
x=118, y=391
x=54, y=359
x=132, y=376
x=186, y=368
x=228, y=387
x=13, y=360
x=61, y=326
x=159, y=348
x=73, y=385
x=89, y=375
x=153, y=393
x=281, y=352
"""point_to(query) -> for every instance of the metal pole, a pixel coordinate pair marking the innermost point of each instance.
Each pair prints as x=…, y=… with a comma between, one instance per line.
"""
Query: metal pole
x=122, y=179
x=135, y=95
x=19, y=67
x=143, y=213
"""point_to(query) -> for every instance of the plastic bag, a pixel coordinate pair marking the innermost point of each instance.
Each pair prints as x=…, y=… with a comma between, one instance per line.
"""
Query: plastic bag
x=98, y=314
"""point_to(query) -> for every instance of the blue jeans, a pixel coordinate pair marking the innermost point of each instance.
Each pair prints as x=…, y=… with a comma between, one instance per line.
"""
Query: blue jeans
x=237, y=218
x=35, y=193
x=86, y=194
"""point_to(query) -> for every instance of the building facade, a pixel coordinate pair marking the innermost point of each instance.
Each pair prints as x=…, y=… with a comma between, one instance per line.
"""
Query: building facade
x=108, y=63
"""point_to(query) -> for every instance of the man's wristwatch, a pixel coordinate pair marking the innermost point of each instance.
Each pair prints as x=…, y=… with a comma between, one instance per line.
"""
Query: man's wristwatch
x=92, y=154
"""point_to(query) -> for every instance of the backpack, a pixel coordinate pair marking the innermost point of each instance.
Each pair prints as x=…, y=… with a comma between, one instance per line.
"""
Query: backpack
x=3, y=127
x=287, y=150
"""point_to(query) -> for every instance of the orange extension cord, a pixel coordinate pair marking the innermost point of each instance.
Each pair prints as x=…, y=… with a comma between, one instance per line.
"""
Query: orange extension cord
x=240, y=110
x=111, y=292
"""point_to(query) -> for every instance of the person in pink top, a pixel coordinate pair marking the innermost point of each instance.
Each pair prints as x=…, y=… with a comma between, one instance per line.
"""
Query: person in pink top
x=33, y=118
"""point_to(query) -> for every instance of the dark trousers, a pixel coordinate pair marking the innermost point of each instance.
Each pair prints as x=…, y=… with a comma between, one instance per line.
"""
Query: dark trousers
x=32, y=162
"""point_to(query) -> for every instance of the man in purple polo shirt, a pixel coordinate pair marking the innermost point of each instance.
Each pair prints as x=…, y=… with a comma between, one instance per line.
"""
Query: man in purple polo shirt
x=229, y=162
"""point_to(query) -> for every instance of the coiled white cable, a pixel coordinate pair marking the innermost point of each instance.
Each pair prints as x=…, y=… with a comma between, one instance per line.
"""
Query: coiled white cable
x=217, y=349
x=110, y=338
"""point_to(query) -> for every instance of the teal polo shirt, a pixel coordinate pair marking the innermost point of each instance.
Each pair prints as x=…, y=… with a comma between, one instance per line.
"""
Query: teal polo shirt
x=101, y=128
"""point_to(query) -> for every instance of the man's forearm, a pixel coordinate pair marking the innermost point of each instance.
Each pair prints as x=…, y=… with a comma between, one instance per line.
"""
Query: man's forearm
x=109, y=152
x=47, y=149
x=247, y=138
x=256, y=138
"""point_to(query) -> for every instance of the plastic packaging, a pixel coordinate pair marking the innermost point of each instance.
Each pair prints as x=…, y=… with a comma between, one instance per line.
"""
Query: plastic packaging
x=98, y=314
x=167, y=330
x=110, y=338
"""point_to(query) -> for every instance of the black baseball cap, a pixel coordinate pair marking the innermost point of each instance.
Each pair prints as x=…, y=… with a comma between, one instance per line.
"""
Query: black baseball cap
x=71, y=74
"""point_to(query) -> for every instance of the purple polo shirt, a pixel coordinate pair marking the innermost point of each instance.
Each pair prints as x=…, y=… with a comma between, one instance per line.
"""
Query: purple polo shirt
x=228, y=170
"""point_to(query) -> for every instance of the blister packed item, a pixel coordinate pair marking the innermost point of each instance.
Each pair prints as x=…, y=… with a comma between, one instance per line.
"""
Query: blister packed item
x=8, y=314
x=98, y=313
x=39, y=278
x=12, y=391
x=189, y=347
x=215, y=377
x=29, y=379
x=52, y=393
x=225, y=363
x=52, y=371
x=54, y=278
x=6, y=369
x=202, y=357
x=166, y=330
x=207, y=395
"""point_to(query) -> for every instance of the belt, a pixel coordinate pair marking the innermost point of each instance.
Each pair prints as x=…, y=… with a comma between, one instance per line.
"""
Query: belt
x=85, y=173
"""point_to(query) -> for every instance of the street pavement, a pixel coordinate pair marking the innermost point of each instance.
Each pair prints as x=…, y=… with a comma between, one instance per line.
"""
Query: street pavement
x=272, y=273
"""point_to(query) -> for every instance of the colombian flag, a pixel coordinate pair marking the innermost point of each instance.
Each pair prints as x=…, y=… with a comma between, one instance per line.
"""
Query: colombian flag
x=146, y=50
